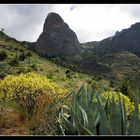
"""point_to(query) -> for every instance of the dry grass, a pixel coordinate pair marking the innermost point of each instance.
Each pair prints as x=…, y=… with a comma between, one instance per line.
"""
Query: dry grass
x=12, y=124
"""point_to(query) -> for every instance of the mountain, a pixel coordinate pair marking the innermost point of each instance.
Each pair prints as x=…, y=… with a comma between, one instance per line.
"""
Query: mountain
x=113, y=58
x=119, y=55
x=127, y=39
x=57, y=39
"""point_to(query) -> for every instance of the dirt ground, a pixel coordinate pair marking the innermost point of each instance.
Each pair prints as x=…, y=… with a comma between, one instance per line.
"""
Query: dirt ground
x=11, y=124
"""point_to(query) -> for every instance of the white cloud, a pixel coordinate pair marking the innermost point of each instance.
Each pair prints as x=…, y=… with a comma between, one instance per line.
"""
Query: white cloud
x=97, y=21
x=90, y=22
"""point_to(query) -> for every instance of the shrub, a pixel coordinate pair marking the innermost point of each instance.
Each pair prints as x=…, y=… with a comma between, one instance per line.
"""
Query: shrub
x=3, y=55
x=69, y=73
x=128, y=104
x=31, y=93
x=58, y=59
x=21, y=70
x=34, y=66
x=49, y=75
x=28, y=54
x=22, y=56
x=95, y=84
x=73, y=67
x=14, y=62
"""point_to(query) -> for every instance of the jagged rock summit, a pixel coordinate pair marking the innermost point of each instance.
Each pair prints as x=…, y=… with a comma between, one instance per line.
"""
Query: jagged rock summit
x=57, y=39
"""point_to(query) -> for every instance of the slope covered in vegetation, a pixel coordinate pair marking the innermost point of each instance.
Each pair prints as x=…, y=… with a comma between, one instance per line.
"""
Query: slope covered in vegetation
x=40, y=97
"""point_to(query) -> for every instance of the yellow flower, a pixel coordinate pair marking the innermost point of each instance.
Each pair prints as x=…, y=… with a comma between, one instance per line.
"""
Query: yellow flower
x=128, y=104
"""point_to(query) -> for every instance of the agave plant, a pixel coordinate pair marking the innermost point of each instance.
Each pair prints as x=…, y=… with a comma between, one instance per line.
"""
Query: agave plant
x=88, y=114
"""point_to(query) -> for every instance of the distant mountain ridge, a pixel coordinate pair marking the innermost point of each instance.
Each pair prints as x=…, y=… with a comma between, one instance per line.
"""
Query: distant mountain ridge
x=115, y=57
x=127, y=39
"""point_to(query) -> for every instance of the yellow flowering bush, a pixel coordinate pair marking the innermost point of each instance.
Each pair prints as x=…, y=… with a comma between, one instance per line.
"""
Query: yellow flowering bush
x=128, y=104
x=31, y=92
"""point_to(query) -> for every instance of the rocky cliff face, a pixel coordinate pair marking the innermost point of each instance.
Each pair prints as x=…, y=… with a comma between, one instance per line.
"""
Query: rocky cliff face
x=116, y=57
x=127, y=39
x=57, y=39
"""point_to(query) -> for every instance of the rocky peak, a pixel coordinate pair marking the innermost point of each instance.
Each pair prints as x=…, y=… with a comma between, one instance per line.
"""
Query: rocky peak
x=53, y=20
x=57, y=39
x=135, y=26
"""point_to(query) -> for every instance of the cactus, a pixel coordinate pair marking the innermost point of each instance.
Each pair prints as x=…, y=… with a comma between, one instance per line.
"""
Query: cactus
x=88, y=114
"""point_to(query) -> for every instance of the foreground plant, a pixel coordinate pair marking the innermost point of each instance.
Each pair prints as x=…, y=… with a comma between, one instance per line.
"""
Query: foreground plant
x=31, y=92
x=95, y=112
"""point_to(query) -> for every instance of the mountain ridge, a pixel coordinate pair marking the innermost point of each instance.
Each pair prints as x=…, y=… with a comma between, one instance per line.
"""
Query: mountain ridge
x=113, y=58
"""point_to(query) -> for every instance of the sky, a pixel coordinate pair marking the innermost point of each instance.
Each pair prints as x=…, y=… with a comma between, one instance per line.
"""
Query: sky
x=90, y=22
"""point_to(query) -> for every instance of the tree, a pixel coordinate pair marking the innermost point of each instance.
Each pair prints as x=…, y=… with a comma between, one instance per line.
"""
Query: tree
x=2, y=29
x=29, y=55
x=3, y=55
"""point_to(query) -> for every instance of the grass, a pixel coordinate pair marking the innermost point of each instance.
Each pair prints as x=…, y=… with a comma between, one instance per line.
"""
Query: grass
x=129, y=66
x=43, y=66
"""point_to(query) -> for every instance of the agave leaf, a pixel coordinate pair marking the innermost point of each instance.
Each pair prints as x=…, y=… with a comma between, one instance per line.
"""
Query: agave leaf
x=83, y=98
x=74, y=116
x=90, y=95
x=115, y=118
x=97, y=119
x=103, y=129
x=135, y=123
x=71, y=129
x=62, y=127
x=91, y=121
x=123, y=115
x=84, y=115
x=85, y=130
x=107, y=107
x=100, y=91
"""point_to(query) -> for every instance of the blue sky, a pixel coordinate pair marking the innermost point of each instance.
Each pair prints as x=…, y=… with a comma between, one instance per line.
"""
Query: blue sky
x=91, y=22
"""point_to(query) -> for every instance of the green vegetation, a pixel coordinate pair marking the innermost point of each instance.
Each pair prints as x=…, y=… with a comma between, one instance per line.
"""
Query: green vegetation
x=3, y=55
x=31, y=95
x=30, y=89
x=95, y=112
x=51, y=97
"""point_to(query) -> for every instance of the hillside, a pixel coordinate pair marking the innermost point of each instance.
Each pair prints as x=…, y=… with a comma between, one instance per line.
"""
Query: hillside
x=20, y=59
x=15, y=59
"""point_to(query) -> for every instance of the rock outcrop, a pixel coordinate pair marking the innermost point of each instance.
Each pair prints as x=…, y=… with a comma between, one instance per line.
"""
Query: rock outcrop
x=57, y=39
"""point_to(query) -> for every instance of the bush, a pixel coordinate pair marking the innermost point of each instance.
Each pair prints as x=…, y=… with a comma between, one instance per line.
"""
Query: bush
x=73, y=67
x=95, y=84
x=21, y=70
x=128, y=104
x=50, y=75
x=34, y=66
x=57, y=59
x=31, y=92
x=3, y=55
x=69, y=73
x=22, y=56
x=14, y=62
